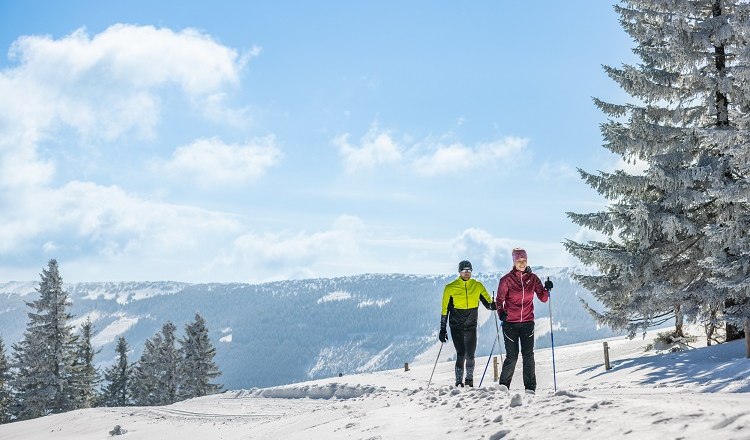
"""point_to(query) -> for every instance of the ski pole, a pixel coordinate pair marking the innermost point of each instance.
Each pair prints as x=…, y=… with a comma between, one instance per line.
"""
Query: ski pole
x=436, y=361
x=552, y=337
x=497, y=341
x=488, y=362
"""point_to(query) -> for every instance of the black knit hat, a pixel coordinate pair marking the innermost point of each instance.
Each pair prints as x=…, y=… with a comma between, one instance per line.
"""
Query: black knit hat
x=465, y=264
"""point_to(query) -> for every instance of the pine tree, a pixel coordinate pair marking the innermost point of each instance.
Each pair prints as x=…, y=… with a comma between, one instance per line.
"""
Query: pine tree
x=197, y=367
x=5, y=396
x=145, y=388
x=117, y=390
x=169, y=380
x=728, y=250
x=156, y=379
x=85, y=374
x=43, y=360
x=657, y=262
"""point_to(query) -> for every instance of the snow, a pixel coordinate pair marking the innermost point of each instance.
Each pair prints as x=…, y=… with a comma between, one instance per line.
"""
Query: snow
x=113, y=330
x=377, y=359
x=227, y=332
x=703, y=393
x=93, y=316
x=123, y=297
x=542, y=327
x=19, y=288
x=338, y=295
x=370, y=302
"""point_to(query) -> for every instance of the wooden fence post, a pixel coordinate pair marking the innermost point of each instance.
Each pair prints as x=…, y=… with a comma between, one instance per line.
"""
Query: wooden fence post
x=607, y=366
x=494, y=365
x=406, y=366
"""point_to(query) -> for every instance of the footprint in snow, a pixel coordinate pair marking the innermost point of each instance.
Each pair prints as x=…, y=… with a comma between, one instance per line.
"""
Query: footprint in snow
x=500, y=434
x=568, y=394
x=516, y=400
x=727, y=421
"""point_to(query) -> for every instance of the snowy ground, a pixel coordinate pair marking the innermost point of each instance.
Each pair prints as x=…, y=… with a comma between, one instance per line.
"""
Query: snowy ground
x=699, y=394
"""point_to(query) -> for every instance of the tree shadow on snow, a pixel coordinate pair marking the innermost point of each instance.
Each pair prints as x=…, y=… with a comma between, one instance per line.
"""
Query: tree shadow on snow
x=722, y=367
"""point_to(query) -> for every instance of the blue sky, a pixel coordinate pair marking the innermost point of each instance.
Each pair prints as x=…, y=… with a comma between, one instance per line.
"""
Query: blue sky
x=257, y=141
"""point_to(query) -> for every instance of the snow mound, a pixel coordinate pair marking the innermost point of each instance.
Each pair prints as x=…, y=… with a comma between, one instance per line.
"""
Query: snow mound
x=327, y=391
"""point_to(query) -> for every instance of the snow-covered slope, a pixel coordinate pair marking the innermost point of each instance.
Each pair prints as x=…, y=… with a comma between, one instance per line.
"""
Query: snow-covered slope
x=291, y=331
x=699, y=394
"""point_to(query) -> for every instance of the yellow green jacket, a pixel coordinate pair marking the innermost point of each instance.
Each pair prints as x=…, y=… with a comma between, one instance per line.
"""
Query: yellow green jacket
x=461, y=300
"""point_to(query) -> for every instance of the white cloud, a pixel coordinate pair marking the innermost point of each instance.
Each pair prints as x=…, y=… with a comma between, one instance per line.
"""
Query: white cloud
x=142, y=56
x=375, y=148
x=103, y=87
x=486, y=252
x=425, y=158
x=457, y=157
x=95, y=89
x=83, y=214
x=584, y=235
x=212, y=162
x=632, y=166
x=282, y=255
x=489, y=253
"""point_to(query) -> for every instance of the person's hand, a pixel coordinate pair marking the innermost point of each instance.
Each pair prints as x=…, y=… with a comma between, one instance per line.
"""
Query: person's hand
x=503, y=315
x=493, y=306
x=443, y=335
x=548, y=284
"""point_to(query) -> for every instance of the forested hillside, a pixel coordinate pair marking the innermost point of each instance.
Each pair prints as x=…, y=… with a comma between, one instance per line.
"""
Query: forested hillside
x=289, y=331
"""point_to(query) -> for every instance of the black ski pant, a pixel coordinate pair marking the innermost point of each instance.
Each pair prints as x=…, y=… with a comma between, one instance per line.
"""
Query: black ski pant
x=513, y=334
x=465, y=341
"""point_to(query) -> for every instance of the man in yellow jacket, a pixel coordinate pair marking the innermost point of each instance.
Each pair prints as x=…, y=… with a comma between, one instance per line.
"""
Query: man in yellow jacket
x=461, y=302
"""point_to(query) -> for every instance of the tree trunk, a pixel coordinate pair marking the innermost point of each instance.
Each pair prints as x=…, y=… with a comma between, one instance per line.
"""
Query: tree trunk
x=720, y=61
x=711, y=326
x=722, y=120
x=733, y=332
x=678, y=323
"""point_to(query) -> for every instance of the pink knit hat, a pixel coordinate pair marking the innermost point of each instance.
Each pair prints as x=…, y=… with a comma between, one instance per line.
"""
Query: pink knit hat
x=519, y=254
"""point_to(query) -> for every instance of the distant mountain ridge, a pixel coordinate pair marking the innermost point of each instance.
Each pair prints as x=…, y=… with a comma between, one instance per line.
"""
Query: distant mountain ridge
x=289, y=331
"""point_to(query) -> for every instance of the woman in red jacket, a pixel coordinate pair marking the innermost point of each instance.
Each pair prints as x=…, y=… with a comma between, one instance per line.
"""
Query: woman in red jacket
x=515, y=307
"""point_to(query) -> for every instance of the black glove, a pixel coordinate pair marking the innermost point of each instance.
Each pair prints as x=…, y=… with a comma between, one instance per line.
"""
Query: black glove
x=503, y=315
x=548, y=284
x=493, y=306
x=443, y=335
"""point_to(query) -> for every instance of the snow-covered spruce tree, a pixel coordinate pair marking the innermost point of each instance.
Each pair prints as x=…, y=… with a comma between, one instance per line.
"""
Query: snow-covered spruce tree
x=660, y=222
x=145, y=388
x=42, y=361
x=5, y=396
x=116, y=392
x=85, y=374
x=156, y=379
x=728, y=250
x=197, y=367
x=169, y=380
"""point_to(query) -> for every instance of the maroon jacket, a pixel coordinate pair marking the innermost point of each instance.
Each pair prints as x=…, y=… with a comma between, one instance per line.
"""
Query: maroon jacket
x=515, y=295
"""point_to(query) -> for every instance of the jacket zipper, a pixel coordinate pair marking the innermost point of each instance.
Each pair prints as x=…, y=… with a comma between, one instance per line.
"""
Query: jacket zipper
x=523, y=295
x=466, y=288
